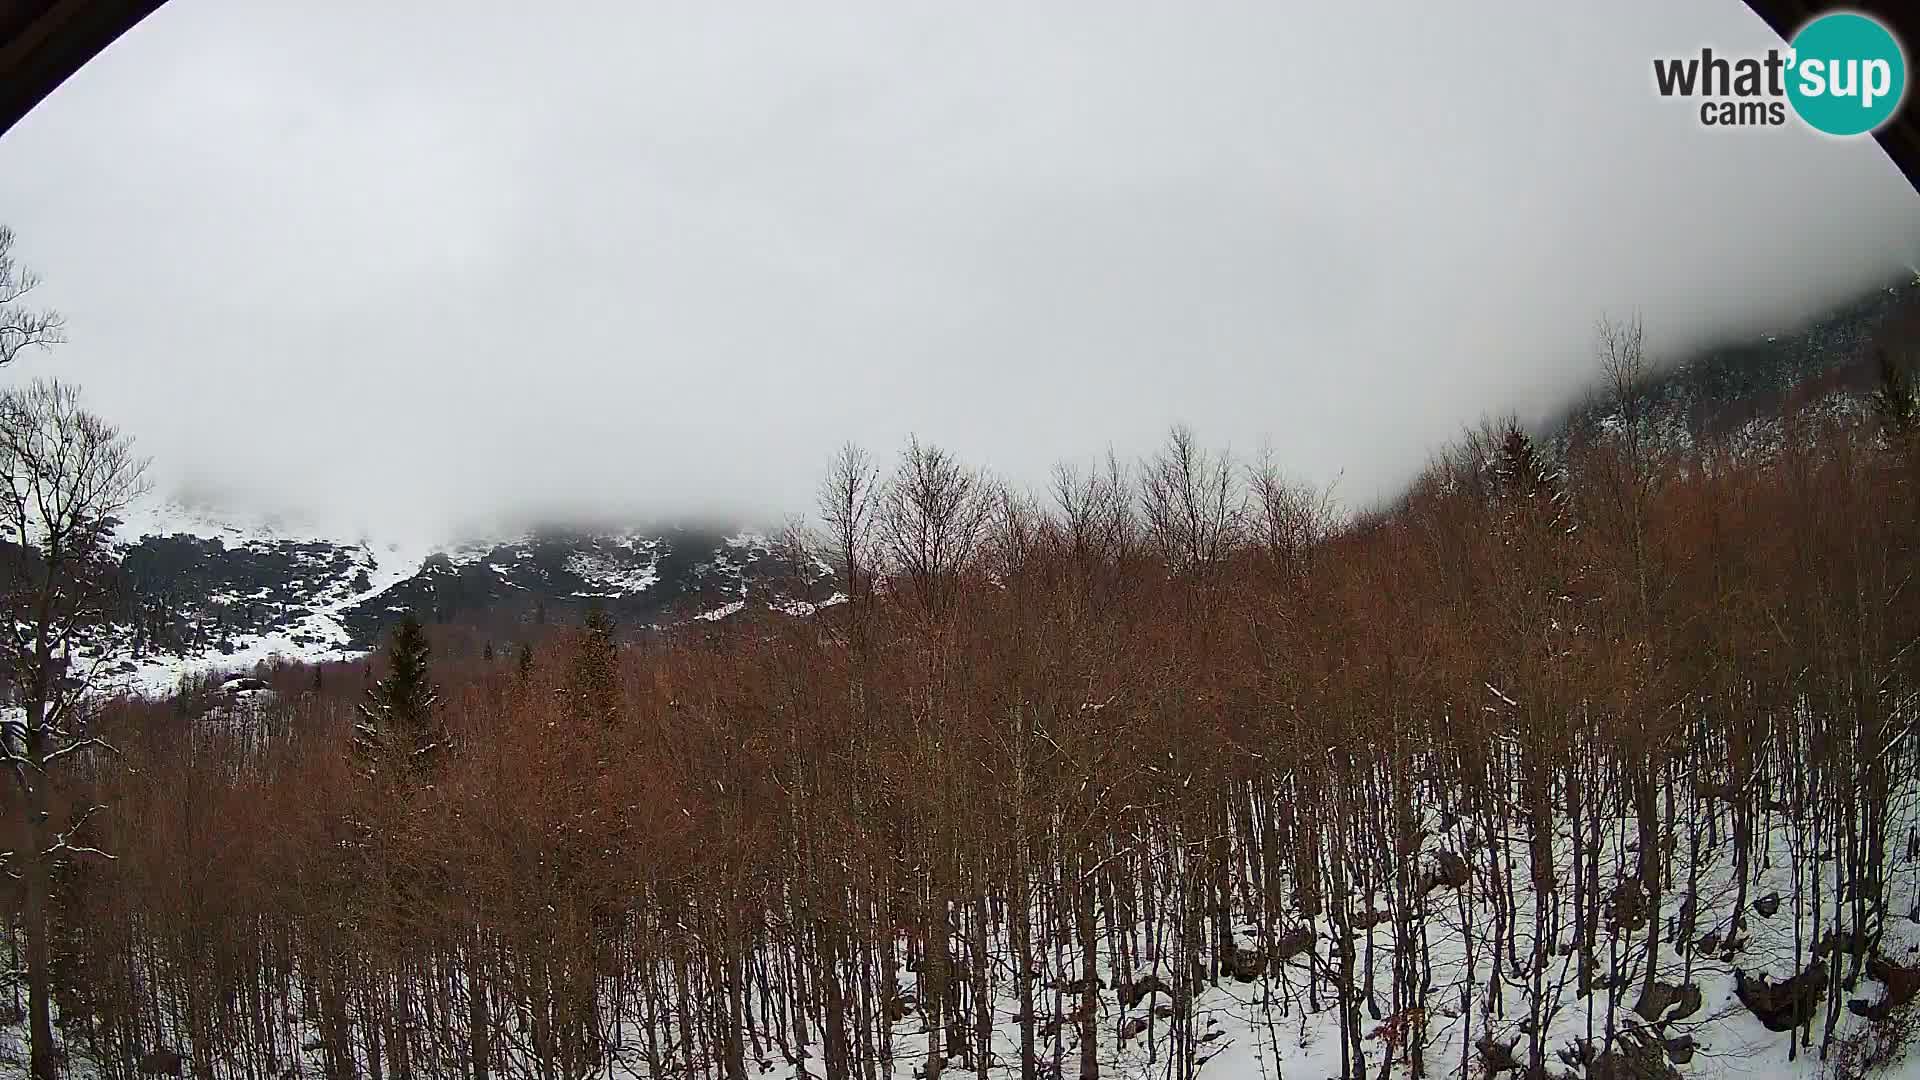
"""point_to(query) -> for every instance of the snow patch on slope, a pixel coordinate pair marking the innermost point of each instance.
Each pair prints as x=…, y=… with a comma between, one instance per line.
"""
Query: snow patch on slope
x=608, y=576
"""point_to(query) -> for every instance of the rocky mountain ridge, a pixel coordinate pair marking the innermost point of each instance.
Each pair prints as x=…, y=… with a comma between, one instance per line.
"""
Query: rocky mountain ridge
x=201, y=590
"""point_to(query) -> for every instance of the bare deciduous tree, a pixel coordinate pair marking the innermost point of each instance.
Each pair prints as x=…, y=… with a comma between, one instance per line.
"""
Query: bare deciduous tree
x=846, y=512
x=932, y=515
x=21, y=327
x=1193, y=507
x=1094, y=510
x=1287, y=519
x=64, y=475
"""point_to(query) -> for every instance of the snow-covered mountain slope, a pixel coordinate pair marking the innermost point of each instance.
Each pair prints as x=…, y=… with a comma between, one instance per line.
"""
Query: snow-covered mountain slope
x=203, y=589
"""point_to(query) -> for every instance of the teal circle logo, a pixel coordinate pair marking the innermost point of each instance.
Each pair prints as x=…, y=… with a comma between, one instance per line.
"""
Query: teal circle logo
x=1847, y=75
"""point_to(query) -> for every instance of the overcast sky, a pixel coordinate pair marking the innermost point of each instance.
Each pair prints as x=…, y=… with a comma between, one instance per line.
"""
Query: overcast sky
x=408, y=262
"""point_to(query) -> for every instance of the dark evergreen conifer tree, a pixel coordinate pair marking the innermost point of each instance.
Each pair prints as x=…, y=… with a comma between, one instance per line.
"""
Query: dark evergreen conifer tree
x=1893, y=400
x=1525, y=480
x=399, y=723
x=596, y=688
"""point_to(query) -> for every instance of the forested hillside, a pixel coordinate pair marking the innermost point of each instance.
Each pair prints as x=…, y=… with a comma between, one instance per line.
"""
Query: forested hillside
x=1590, y=757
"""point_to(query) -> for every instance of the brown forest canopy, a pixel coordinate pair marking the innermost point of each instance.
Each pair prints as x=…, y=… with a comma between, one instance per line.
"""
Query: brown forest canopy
x=1170, y=721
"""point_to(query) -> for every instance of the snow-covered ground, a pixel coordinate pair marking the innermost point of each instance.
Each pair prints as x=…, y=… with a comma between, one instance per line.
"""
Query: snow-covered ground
x=1270, y=1027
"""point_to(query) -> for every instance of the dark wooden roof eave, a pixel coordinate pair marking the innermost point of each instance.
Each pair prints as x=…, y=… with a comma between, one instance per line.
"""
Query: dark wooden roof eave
x=42, y=42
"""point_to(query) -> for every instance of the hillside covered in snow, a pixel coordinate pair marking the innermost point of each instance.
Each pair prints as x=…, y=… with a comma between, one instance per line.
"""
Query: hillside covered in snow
x=204, y=589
